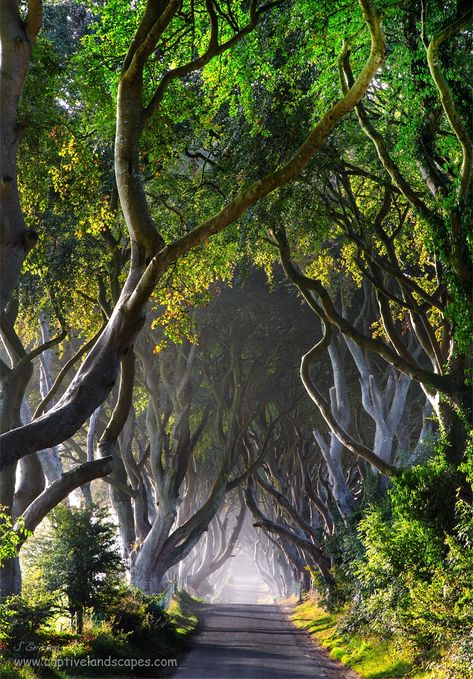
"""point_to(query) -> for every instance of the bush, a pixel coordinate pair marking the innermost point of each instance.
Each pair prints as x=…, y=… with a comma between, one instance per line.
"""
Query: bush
x=458, y=663
x=140, y=615
x=413, y=585
x=105, y=642
x=23, y=622
x=406, y=567
x=97, y=640
x=10, y=538
x=11, y=671
x=427, y=493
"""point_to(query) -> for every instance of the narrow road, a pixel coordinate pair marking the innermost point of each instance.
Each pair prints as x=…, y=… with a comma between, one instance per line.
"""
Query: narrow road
x=253, y=641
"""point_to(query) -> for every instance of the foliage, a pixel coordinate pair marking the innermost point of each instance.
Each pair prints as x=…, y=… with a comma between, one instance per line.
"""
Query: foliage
x=23, y=622
x=458, y=662
x=413, y=496
x=141, y=617
x=404, y=570
x=369, y=655
x=12, y=671
x=78, y=557
x=10, y=537
x=405, y=562
x=411, y=589
x=133, y=626
x=98, y=641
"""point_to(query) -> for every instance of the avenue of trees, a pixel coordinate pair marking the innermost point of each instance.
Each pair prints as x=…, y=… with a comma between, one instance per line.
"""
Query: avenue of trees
x=236, y=307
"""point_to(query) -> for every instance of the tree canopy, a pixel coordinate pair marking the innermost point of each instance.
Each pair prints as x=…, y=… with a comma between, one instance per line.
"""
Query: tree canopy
x=236, y=286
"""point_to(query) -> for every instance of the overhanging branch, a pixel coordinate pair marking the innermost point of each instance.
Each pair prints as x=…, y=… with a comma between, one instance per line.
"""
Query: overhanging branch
x=58, y=490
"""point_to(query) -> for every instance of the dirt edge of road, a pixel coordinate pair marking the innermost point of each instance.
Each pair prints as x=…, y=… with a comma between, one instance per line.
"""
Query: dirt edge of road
x=345, y=671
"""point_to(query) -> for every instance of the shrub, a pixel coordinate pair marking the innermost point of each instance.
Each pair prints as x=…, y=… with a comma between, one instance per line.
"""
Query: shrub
x=427, y=493
x=404, y=567
x=458, y=664
x=9, y=670
x=23, y=623
x=414, y=582
x=98, y=641
x=105, y=642
x=140, y=615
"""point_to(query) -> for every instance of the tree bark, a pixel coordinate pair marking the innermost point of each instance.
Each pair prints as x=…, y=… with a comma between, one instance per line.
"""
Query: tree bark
x=98, y=373
x=16, y=240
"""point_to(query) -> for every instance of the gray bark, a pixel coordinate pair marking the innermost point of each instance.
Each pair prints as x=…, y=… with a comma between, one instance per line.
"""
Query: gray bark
x=384, y=404
x=16, y=240
x=217, y=555
x=150, y=258
x=50, y=458
x=91, y=437
x=333, y=451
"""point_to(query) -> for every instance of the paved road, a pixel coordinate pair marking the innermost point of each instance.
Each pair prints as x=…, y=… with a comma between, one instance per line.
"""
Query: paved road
x=253, y=641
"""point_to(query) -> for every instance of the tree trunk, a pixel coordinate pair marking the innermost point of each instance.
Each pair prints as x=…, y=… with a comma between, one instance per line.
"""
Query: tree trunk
x=50, y=458
x=15, y=239
x=12, y=390
x=146, y=569
x=10, y=577
x=80, y=620
x=332, y=455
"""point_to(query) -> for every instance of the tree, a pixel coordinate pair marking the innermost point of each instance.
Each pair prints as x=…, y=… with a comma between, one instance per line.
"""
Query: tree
x=219, y=544
x=422, y=208
x=78, y=556
x=150, y=255
x=203, y=397
x=141, y=88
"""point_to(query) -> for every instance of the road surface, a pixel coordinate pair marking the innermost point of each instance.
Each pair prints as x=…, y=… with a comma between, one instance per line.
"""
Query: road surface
x=253, y=641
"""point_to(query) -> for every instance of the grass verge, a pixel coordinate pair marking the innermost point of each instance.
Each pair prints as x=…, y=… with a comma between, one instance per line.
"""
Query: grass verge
x=99, y=642
x=183, y=613
x=369, y=656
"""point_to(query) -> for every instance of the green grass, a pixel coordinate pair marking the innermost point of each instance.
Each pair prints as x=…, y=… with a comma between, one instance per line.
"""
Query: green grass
x=182, y=611
x=168, y=644
x=371, y=657
x=9, y=671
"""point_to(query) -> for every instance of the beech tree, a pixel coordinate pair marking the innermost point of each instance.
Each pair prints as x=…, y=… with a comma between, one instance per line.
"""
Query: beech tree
x=378, y=237
x=150, y=255
x=236, y=294
x=220, y=542
x=137, y=105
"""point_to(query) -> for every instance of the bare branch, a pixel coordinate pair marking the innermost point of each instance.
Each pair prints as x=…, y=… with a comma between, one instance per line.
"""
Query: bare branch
x=34, y=19
x=58, y=381
x=60, y=489
x=441, y=383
